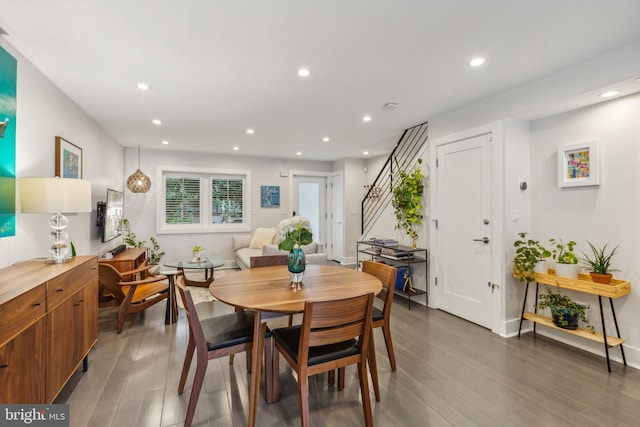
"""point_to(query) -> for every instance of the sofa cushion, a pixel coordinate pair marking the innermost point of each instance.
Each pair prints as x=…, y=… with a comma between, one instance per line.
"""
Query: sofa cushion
x=311, y=248
x=244, y=256
x=272, y=250
x=261, y=237
x=240, y=242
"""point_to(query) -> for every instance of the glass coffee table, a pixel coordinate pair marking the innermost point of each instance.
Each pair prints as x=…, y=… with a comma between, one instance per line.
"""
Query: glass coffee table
x=207, y=263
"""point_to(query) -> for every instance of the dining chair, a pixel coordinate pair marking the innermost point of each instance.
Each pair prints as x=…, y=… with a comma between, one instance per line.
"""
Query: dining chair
x=121, y=289
x=326, y=340
x=382, y=318
x=267, y=260
x=217, y=337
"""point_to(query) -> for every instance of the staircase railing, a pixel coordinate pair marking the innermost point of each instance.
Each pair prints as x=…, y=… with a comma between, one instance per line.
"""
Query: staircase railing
x=402, y=157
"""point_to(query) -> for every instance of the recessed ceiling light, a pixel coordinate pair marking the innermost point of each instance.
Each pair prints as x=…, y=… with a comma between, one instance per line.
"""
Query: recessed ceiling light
x=165, y=142
x=476, y=62
x=236, y=148
x=366, y=153
x=298, y=153
x=156, y=121
x=250, y=131
x=304, y=72
x=326, y=139
x=366, y=119
x=143, y=86
x=609, y=93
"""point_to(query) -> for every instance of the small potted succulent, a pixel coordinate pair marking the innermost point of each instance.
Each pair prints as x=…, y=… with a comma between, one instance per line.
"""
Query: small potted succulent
x=196, y=250
x=565, y=312
x=566, y=260
x=599, y=263
x=530, y=258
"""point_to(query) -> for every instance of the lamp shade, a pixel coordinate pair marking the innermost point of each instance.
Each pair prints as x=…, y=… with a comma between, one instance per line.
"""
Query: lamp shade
x=55, y=195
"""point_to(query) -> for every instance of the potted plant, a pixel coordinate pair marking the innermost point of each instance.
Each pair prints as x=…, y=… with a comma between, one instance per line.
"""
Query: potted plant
x=530, y=258
x=407, y=189
x=130, y=238
x=599, y=263
x=155, y=254
x=196, y=249
x=566, y=260
x=565, y=312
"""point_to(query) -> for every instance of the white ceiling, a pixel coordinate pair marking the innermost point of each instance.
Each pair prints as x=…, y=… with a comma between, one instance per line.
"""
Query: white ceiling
x=218, y=67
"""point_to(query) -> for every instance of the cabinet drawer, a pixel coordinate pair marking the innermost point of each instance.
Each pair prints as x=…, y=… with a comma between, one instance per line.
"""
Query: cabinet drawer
x=66, y=284
x=22, y=311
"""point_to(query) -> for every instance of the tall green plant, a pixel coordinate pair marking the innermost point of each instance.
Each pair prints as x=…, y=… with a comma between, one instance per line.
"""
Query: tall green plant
x=130, y=238
x=600, y=262
x=407, y=189
x=155, y=253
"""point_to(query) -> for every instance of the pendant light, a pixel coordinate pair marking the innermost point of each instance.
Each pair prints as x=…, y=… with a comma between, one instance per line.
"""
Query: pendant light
x=138, y=182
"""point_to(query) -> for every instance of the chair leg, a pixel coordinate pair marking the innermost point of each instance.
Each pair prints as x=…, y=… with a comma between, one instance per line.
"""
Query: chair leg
x=364, y=390
x=341, y=375
x=198, y=380
x=386, y=331
x=332, y=377
x=303, y=395
x=187, y=364
x=373, y=367
x=291, y=320
x=122, y=316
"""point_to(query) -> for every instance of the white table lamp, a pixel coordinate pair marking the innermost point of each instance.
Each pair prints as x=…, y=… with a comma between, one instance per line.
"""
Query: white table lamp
x=56, y=195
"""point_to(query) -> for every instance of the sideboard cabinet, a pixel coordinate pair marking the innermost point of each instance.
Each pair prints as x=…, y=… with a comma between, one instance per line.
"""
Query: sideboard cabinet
x=48, y=324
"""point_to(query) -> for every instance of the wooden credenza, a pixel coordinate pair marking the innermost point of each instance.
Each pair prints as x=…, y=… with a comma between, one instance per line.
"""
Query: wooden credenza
x=128, y=260
x=48, y=324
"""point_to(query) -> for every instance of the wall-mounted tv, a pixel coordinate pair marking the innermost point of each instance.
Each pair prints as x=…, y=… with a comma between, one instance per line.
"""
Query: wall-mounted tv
x=113, y=215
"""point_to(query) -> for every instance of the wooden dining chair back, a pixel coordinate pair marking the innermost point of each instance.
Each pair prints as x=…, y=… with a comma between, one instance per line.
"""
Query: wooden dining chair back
x=382, y=317
x=131, y=296
x=267, y=260
x=333, y=334
x=216, y=337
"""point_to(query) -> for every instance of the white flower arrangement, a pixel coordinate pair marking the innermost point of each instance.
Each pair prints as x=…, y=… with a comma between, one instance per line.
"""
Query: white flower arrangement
x=296, y=231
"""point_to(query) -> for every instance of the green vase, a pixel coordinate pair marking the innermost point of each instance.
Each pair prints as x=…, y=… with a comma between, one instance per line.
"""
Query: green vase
x=296, y=262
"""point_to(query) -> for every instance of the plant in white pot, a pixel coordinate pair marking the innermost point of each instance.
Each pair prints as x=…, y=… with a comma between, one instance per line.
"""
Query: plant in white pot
x=530, y=258
x=566, y=260
x=599, y=263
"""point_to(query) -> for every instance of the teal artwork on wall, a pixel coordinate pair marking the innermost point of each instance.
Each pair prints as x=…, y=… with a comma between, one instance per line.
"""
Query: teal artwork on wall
x=8, y=77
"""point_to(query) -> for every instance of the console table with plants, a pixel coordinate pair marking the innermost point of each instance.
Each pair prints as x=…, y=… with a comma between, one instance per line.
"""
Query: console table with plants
x=414, y=256
x=584, y=284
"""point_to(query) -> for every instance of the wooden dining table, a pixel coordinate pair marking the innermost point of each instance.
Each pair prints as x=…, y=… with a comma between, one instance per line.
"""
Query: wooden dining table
x=267, y=291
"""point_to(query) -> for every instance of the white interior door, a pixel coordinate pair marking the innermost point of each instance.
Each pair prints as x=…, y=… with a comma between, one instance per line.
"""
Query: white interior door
x=464, y=235
x=309, y=200
x=335, y=243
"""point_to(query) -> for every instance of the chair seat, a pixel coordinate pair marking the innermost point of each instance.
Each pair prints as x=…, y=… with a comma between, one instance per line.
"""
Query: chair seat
x=289, y=339
x=143, y=292
x=229, y=330
x=377, y=314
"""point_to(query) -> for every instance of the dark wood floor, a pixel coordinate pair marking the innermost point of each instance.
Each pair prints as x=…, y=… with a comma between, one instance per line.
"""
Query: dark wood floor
x=450, y=373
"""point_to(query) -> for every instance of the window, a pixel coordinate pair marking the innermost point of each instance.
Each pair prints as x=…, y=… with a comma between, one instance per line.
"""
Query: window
x=203, y=200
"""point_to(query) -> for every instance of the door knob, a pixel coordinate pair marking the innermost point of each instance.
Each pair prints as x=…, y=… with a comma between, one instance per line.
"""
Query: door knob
x=484, y=240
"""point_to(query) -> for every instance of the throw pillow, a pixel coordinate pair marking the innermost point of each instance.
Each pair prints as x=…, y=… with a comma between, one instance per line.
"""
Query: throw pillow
x=261, y=237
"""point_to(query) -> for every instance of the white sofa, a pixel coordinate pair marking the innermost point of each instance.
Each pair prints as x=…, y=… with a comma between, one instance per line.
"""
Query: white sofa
x=264, y=241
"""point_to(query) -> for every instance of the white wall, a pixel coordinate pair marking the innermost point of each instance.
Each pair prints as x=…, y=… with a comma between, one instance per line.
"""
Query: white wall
x=44, y=112
x=141, y=208
x=609, y=212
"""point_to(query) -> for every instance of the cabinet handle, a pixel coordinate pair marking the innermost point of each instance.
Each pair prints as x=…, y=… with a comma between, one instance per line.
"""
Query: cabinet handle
x=75, y=305
x=60, y=290
x=4, y=365
x=36, y=304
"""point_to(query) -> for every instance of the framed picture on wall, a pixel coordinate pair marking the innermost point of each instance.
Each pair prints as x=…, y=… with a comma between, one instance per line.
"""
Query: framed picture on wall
x=68, y=159
x=578, y=164
x=269, y=196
